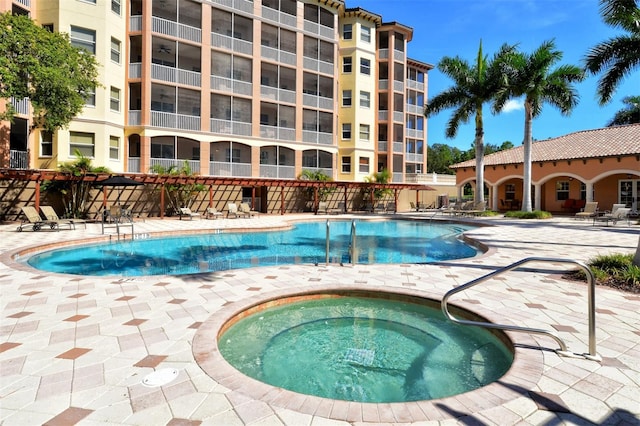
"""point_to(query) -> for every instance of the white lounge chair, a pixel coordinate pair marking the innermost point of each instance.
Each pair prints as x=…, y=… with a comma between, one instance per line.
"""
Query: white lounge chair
x=212, y=212
x=246, y=209
x=621, y=213
x=185, y=211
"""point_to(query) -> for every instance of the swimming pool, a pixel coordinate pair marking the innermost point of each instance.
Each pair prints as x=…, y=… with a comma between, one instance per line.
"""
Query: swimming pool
x=390, y=241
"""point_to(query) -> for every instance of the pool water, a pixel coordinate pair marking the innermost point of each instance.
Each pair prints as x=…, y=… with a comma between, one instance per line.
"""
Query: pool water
x=364, y=349
x=376, y=242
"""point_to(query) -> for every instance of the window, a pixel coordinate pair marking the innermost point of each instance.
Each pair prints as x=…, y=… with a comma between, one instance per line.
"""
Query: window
x=346, y=98
x=364, y=132
x=114, y=147
x=90, y=98
x=365, y=66
x=115, y=6
x=562, y=190
x=46, y=143
x=115, y=50
x=114, y=99
x=48, y=27
x=364, y=165
x=365, y=34
x=583, y=191
x=346, y=131
x=347, y=63
x=510, y=191
x=365, y=99
x=347, y=31
x=346, y=164
x=83, y=38
x=83, y=143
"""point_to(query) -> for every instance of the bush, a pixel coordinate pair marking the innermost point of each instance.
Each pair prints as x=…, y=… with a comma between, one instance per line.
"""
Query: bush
x=536, y=214
x=614, y=270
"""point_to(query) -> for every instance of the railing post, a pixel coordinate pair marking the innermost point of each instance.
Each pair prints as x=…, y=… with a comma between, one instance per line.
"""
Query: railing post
x=354, y=251
x=327, y=243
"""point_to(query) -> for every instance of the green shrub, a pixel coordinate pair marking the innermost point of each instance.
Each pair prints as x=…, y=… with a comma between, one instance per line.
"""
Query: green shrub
x=615, y=270
x=536, y=214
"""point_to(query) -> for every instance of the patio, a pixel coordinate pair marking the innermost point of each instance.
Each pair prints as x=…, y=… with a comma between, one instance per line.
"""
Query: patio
x=75, y=349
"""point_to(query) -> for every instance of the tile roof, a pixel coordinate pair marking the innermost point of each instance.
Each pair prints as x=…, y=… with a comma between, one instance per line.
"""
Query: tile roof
x=605, y=142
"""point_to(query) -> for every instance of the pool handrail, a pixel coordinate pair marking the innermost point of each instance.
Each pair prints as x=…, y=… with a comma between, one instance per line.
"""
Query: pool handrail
x=592, y=355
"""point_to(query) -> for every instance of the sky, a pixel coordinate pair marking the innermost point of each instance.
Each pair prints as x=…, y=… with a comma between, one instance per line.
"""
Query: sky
x=455, y=28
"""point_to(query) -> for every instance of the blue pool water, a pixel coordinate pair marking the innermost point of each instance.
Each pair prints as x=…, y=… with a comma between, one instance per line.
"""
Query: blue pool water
x=364, y=349
x=376, y=242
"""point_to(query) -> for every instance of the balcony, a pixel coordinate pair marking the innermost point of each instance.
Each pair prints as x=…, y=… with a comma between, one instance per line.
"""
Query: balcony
x=383, y=53
x=398, y=86
x=278, y=17
x=383, y=115
x=317, y=101
x=133, y=165
x=278, y=55
x=398, y=55
x=398, y=147
x=175, y=121
x=277, y=172
x=135, y=70
x=318, y=29
x=174, y=29
x=220, y=168
x=383, y=146
x=135, y=118
x=244, y=5
x=320, y=138
x=317, y=65
x=135, y=23
x=414, y=134
x=413, y=158
x=398, y=116
x=231, y=43
x=396, y=177
x=167, y=163
x=175, y=75
x=18, y=159
x=415, y=85
x=20, y=105
x=279, y=133
x=275, y=94
x=414, y=109
x=230, y=127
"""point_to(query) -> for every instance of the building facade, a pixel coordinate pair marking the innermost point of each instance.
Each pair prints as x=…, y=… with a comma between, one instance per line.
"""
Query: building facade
x=238, y=88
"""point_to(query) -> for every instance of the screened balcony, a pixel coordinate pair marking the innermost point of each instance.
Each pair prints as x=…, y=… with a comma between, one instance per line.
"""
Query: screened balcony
x=180, y=19
x=230, y=73
x=277, y=162
x=175, y=62
x=169, y=152
x=175, y=108
x=232, y=32
x=230, y=159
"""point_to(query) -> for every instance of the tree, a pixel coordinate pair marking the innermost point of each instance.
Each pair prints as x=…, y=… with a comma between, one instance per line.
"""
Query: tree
x=531, y=76
x=474, y=85
x=179, y=194
x=75, y=191
x=381, y=177
x=317, y=176
x=44, y=67
x=617, y=57
x=628, y=115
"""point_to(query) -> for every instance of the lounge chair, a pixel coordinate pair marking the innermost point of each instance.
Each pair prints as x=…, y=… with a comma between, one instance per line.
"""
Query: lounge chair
x=232, y=210
x=391, y=208
x=380, y=208
x=212, y=213
x=35, y=221
x=51, y=215
x=186, y=211
x=476, y=209
x=456, y=208
x=590, y=210
x=246, y=209
x=322, y=208
x=621, y=213
x=339, y=209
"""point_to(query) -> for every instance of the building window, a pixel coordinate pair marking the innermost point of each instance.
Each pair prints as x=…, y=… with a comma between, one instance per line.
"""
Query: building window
x=365, y=34
x=90, y=98
x=364, y=165
x=115, y=50
x=562, y=190
x=346, y=98
x=114, y=147
x=83, y=38
x=81, y=142
x=365, y=99
x=114, y=99
x=365, y=66
x=364, y=132
x=46, y=143
x=48, y=27
x=115, y=6
x=510, y=191
x=583, y=191
x=347, y=63
x=347, y=31
x=346, y=131
x=346, y=164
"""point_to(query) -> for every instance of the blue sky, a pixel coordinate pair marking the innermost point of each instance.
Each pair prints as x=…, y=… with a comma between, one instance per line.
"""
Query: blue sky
x=455, y=28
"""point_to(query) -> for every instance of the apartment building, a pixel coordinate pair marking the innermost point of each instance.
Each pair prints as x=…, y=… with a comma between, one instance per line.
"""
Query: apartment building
x=237, y=88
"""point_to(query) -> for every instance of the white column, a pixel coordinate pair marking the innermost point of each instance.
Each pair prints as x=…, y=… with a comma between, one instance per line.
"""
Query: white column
x=589, y=186
x=494, y=197
x=537, y=202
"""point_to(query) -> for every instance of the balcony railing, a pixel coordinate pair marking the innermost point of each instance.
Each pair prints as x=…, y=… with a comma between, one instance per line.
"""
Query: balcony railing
x=175, y=75
x=317, y=65
x=232, y=43
x=415, y=85
x=382, y=146
x=135, y=23
x=396, y=177
x=398, y=146
x=244, y=5
x=277, y=172
x=383, y=53
x=18, y=159
x=414, y=134
x=274, y=132
x=135, y=70
x=398, y=55
x=282, y=95
x=230, y=127
x=135, y=118
x=220, y=168
x=175, y=121
x=398, y=86
x=398, y=116
x=167, y=163
x=318, y=29
x=21, y=105
x=317, y=101
x=279, y=17
x=320, y=138
x=174, y=29
x=229, y=85
x=278, y=55
x=414, y=158
x=414, y=109
x=383, y=115
x=133, y=165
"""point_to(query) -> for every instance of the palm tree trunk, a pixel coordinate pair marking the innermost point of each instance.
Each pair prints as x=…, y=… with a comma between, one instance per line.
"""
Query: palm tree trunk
x=526, y=172
x=479, y=145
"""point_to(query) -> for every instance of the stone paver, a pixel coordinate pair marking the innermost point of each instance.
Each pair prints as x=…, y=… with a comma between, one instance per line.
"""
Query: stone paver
x=75, y=349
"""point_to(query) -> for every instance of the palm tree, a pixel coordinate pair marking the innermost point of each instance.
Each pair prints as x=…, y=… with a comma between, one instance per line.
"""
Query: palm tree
x=628, y=115
x=531, y=76
x=617, y=56
x=474, y=86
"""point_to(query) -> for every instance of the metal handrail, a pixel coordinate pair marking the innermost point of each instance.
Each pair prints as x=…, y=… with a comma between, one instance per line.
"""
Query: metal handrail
x=592, y=355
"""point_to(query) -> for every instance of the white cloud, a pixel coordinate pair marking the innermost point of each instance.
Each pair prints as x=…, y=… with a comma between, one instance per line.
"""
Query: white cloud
x=513, y=105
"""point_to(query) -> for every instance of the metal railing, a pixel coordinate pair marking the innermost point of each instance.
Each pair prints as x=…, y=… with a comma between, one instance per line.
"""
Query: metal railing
x=592, y=355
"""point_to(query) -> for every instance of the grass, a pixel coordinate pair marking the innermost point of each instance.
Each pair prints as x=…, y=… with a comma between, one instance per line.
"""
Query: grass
x=613, y=270
x=536, y=214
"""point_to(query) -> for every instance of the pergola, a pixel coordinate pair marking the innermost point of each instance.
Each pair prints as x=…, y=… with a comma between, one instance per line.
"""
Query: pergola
x=39, y=176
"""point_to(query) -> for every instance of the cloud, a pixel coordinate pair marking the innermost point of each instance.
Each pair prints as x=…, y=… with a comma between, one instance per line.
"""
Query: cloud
x=513, y=105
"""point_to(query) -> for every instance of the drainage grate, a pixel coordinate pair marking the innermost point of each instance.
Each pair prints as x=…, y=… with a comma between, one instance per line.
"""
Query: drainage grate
x=160, y=377
x=360, y=356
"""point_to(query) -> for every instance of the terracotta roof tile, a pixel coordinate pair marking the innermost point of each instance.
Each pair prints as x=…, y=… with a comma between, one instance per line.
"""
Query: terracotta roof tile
x=606, y=142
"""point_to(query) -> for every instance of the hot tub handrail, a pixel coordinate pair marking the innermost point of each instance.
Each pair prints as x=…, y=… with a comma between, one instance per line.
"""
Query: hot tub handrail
x=592, y=355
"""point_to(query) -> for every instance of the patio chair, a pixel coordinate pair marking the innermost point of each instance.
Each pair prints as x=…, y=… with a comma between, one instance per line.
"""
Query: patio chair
x=186, y=211
x=391, y=207
x=339, y=209
x=322, y=208
x=621, y=213
x=232, y=210
x=246, y=209
x=590, y=210
x=212, y=213
x=51, y=215
x=35, y=221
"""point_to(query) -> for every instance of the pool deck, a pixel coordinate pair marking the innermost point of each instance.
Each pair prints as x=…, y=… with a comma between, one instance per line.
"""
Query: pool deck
x=75, y=349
